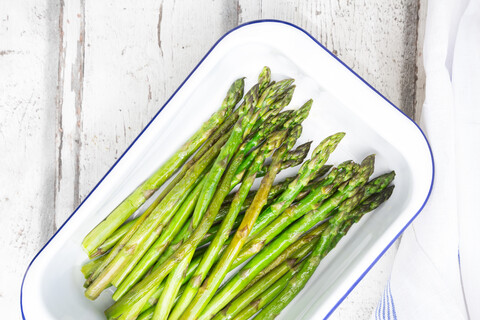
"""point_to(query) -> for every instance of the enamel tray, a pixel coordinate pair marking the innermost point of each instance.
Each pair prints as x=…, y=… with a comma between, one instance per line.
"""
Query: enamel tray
x=52, y=285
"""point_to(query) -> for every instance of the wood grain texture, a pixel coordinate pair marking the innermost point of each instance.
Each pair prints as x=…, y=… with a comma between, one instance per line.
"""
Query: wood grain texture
x=81, y=79
x=28, y=73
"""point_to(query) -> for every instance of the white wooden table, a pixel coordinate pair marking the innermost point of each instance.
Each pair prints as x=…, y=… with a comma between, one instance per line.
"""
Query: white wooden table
x=80, y=79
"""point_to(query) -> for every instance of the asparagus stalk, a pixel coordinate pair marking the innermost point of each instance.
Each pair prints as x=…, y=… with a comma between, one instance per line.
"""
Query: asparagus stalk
x=248, y=296
x=148, y=285
x=213, y=177
x=299, y=248
x=149, y=258
x=305, y=174
x=126, y=257
x=209, y=186
x=215, y=229
x=338, y=227
x=326, y=242
x=174, y=281
x=292, y=159
x=276, y=190
x=305, y=243
x=146, y=263
x=261, y=285
x=326, y=188
x=273, y=120
x=147, y=314
x=267, y=296
x=213, y=250
x=176, y=213
x=275, y=248
x=308, y=240
x=148, y=310
x=264, y=79
x=193, y=173
x=271, y=124
x=320, y=173
x=125, y=209
x=298, y=154
x=113, y=239
x=91, y=266
x=208, y=289
x=284, y=120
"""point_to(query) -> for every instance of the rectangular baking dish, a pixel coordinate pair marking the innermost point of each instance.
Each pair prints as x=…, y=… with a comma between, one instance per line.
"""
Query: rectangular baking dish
x=52, y=285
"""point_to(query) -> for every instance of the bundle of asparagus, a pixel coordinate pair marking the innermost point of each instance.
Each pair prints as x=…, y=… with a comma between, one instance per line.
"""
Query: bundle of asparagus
x=170, y=261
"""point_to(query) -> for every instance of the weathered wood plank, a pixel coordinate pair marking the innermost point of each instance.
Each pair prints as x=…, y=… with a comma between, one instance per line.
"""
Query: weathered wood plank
x=28, y=77
x=136, y=56
x=420, y=71
x=71, y=60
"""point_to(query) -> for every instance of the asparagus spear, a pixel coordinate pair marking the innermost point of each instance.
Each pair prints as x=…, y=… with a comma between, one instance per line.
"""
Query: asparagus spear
x=174, y=281
x=147, y=312
x=176, y=213
x=304, y=244
x=267, y=296
x=213, y=231
x=271, y=124
x=154, y=251
x=191, y=269
x=338, y=226
x=305, y=174
x=209, y=186
x=152, y=220
x=91, y=266
x=326, y=188
x=113, y=239
x=243, y=299
x=166, y=203
x=211, y=146
x=147, y=261
x=307, y=241
x=223, y=132
x=298, y=154
x=275, y=248
x=211, y=284
x=213, y=177
x=125, y=209
x=148, y=285
x=285, y=120
x=292, y=159
x=115, y=271
x=213, y=250
x=264, y=79
x=276, y=190
x=256, y=139
x=334, y=138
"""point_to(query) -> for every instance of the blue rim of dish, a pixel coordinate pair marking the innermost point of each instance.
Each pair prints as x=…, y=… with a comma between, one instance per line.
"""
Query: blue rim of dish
x=181, y=85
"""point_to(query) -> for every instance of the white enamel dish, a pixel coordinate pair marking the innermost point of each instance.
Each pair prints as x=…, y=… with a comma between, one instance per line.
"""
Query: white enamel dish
x=52, y=286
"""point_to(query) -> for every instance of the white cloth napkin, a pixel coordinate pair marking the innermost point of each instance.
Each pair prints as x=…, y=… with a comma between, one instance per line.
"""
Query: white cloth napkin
x=436, y=273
